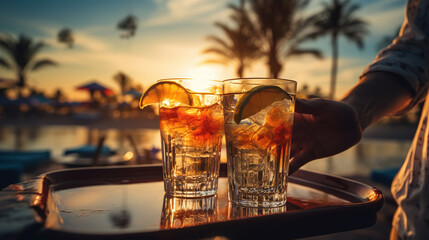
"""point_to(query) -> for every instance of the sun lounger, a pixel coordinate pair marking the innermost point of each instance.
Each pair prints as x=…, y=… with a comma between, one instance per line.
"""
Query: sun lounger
x=89, y=151
x=384, y=176
x=26, y=159
x=89, y=155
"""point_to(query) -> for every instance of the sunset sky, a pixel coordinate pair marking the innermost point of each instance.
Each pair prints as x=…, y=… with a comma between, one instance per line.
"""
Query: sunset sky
x=170, y=37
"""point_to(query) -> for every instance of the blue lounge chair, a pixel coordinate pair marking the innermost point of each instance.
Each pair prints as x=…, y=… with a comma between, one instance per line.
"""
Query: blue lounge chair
x=26, y=159
x=89, y=151
x=384, y=176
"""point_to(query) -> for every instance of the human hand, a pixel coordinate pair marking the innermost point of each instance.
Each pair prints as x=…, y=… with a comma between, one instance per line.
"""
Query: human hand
x=322, y=128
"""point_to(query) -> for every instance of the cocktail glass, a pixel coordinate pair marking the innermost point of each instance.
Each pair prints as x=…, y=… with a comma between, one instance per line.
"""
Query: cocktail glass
x=191, y=139
x=258, y=146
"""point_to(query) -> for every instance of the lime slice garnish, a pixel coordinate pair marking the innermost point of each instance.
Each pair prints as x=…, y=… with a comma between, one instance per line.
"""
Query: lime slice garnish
x=171, y=91
x=257, y=99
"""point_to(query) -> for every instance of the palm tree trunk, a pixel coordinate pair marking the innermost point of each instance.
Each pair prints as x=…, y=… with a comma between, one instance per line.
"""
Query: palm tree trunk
x=334, y=65
x=274, y=64
x=240, y=71
x=20, y=83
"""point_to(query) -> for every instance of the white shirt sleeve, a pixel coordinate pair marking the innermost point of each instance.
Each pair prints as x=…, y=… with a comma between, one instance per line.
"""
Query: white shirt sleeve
x=408, y=55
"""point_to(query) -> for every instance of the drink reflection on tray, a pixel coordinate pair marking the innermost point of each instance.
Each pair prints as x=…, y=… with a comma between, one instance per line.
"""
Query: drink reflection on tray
x=184, y=212
x=237, y=211
x=122, y=218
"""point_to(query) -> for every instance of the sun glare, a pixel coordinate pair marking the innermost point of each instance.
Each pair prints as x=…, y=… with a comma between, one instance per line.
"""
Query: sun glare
x=201, y=75
x=204, y=72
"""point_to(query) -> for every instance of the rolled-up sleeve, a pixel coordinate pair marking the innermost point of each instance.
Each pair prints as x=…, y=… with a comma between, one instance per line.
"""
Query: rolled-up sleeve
x=408, y=55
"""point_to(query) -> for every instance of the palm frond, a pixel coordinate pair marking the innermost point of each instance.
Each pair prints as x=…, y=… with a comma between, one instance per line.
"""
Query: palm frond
x=350, y=10
x=239, y=44
x=230, y=33
x=356, y=23
x=388, y=39
x=43, y=63
x=214, y=61
x=218, y=51
x=24, y=51
x=300, y=5
x=299, y=52
x=34, y=48
x=4, y=63
x=7, y=44
x=222, y=43
x=302, y=31
x=355, y=38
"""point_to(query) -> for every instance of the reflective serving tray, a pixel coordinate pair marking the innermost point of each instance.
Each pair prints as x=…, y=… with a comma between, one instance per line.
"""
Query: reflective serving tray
x=128, y=202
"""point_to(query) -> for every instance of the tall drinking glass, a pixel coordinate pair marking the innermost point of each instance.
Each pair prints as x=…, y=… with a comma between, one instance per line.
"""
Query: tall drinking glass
x=191, y=139
x=258, y=127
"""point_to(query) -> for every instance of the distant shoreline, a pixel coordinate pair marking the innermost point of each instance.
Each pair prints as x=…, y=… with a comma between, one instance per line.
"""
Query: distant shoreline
x=396, y=131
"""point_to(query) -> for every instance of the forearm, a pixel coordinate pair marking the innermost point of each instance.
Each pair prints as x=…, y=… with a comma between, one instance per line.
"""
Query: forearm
x=378, y=95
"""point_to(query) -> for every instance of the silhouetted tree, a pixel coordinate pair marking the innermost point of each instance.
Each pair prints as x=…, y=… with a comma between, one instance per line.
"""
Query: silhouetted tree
x=388, y=39
x=58, y=95
x=336, y=19
x=123, y=80
x=138, y=87
x=22, y=52
x=128, y=25
x=281, y=31
x=239, y=45
x=65, y=36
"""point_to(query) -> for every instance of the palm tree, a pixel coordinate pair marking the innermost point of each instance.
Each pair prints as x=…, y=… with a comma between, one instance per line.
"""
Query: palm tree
x=239, y=45
x=128, y=25
x=388, y=39
x=298, y=35
x=22, y=52
x=65, y=36
x=281, y=31
x=124, y=81
x=336, y=19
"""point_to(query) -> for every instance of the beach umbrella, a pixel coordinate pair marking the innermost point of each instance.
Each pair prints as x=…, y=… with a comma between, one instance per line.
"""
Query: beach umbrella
x=95, y=86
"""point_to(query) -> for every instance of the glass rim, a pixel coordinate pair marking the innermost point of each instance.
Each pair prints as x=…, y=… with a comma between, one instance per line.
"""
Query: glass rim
x=187, y=79
x=183, y=81
x=231, y=80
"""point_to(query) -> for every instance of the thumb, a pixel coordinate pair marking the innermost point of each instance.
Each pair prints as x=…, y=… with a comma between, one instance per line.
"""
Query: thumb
x=299, y=160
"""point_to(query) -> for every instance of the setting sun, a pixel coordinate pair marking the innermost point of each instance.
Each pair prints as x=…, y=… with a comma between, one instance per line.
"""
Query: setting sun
x=204, y=72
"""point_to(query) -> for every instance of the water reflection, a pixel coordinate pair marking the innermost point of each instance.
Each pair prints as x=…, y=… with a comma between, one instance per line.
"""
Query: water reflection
x=19, y=136
x=90, y=136
x=33, y=133
x=185, y=212
x=359, y=160
x=59, y=138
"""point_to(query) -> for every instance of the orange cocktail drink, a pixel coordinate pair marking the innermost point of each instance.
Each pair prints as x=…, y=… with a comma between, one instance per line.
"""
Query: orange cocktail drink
x=191, y=124
x=258, y=129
